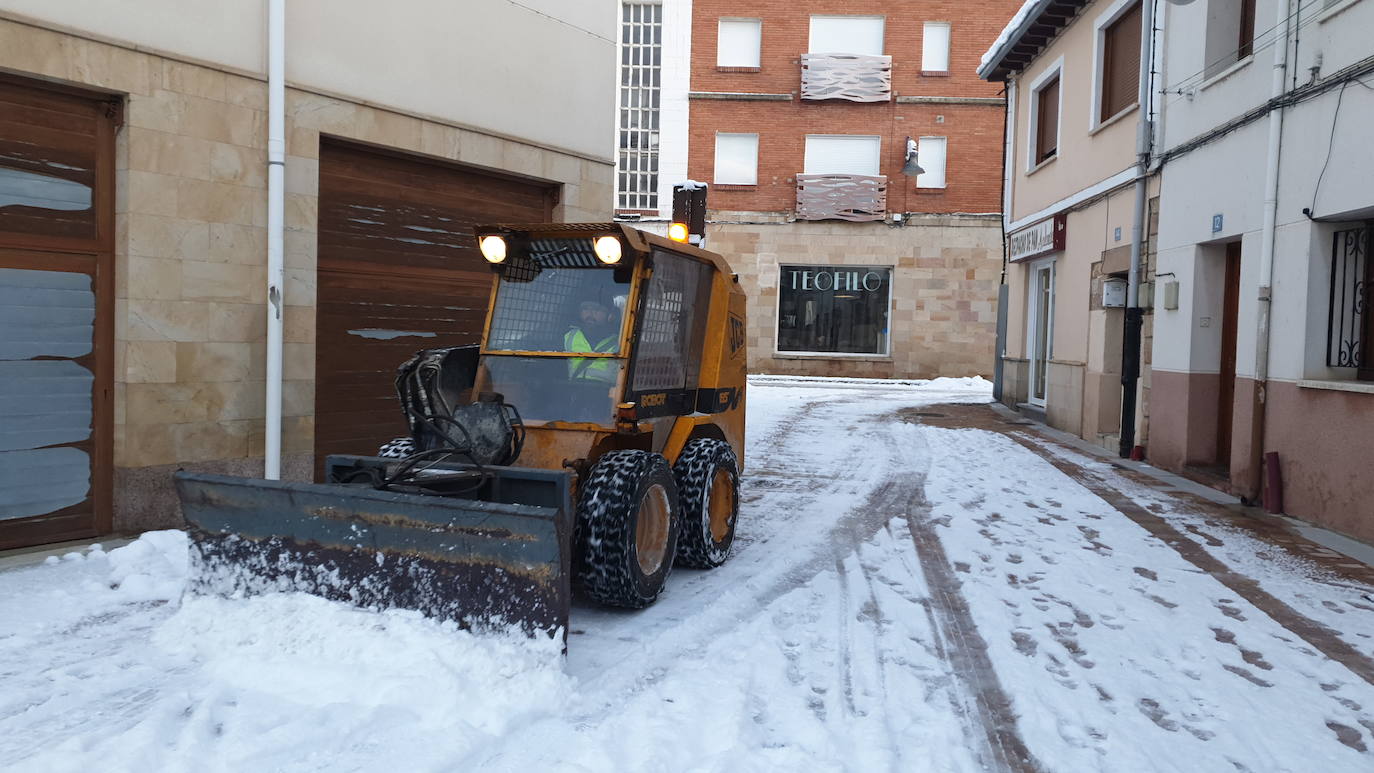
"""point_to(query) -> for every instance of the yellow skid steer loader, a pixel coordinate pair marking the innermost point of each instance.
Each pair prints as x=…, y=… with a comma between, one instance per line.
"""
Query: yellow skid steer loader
x=594, y=439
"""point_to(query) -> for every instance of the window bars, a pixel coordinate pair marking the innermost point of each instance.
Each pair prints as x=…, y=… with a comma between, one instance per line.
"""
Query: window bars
x=641, y=60
x=1347, y=340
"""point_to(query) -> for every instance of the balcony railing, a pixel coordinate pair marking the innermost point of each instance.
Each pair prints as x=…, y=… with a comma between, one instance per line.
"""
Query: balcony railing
x=855, y=197
x=853, y=77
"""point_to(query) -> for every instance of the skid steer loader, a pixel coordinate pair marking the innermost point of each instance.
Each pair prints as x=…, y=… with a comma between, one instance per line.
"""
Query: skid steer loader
x=594, y=439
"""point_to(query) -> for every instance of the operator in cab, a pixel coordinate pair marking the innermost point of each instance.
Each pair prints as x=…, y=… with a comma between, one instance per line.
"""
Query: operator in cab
x=596, y=331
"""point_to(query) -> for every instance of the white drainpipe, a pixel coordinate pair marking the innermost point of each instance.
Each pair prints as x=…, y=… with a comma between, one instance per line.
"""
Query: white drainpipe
x=1267, y=235
x=276, y=212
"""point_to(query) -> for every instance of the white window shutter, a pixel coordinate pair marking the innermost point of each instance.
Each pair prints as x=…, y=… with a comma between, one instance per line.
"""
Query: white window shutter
x=930, y=155
x=935, y=47
x=737, y=159
x=737, y=43
x=841, y=154
x=846, y=35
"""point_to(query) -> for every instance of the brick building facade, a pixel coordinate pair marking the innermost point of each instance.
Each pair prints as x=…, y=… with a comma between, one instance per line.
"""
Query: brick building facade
x=773, y=82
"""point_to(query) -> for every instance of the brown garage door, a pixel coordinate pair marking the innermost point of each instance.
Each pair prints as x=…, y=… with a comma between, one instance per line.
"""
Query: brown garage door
x=56, y=283
x=399, y=271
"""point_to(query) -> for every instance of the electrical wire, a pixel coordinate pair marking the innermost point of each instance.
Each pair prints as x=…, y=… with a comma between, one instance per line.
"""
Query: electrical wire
x=1351, y=73
x=1255, y=47
x=1330, y=142
x=1185, y=93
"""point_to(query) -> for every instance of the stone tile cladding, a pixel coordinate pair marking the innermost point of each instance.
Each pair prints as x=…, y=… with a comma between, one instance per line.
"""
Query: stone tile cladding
x=946, y=271
x=191, y=245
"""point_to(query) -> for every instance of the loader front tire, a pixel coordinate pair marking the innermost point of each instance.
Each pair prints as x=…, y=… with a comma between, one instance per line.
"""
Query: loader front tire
x=627, y=528
x=708, y=485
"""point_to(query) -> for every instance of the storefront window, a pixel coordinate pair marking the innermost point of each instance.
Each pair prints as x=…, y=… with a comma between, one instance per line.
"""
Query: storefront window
x=839, y=309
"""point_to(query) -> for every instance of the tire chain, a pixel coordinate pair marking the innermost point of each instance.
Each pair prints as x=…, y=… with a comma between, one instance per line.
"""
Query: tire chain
x=694, y=472
x=398, y=448
x=605, y=528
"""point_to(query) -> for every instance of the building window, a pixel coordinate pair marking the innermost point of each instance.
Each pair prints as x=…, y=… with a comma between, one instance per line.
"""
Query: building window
x=1045, y=122
x=834, y=309
x=1118, y=81
x=737, y=159
x=1230, y=34
x=641, y=55
x=1350, y=327
x=842, y=154
x=737, y=42
x=935, y=47
x=846, y=35
x=930, y=154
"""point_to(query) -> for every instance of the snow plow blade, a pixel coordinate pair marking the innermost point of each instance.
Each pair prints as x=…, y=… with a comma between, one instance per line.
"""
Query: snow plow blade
x=491, y=559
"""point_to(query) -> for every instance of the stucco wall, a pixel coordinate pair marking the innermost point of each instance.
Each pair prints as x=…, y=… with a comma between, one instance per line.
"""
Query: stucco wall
x=1086, y=154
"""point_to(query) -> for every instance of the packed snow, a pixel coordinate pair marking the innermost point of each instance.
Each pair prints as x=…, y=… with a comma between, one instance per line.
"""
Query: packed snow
x=890, y=582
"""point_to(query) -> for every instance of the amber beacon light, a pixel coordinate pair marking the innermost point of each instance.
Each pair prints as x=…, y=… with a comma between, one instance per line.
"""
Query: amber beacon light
x=678, y=232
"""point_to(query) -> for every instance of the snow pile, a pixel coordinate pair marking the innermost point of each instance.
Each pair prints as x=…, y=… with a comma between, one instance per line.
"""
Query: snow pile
x=125, y=681
x=151, y=568
x=309, y=654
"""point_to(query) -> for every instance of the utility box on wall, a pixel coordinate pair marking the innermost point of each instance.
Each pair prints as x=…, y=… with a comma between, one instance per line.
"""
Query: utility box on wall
x=1113, y=293
x=1171, y=295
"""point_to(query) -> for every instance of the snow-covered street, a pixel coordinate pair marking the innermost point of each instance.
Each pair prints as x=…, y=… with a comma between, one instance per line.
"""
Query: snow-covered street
x=913, y=588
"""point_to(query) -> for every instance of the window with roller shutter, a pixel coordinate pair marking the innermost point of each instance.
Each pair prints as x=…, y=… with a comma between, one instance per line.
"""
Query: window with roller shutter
x=1119, y=78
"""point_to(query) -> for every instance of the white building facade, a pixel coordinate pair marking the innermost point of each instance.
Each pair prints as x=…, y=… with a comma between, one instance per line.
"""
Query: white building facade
x=1263, y=368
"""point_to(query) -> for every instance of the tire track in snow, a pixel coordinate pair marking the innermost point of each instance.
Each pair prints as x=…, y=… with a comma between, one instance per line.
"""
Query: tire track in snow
x=990, y=721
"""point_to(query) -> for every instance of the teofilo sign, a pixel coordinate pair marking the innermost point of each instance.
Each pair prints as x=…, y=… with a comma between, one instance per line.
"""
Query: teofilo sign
x=1042, y=238
x=842, y=280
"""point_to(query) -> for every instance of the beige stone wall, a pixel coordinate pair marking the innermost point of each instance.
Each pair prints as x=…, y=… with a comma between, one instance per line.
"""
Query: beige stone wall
x=190, y=262
x=946, y=271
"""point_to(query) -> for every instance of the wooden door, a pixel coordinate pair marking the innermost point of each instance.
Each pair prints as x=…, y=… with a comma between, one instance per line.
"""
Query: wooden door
x=399, y=271
x=1226, y=394
x=56, y=312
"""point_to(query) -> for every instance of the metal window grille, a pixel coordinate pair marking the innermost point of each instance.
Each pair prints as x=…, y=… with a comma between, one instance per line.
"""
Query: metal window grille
x=671, y=329
x=641, y=70
x=1350, y=273
x=540, y=293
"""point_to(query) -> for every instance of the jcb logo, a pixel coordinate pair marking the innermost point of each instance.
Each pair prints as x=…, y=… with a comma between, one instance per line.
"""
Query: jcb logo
x=736, y=334
x=655, y=400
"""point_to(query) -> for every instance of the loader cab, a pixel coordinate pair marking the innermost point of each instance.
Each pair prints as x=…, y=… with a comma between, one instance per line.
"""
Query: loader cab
x=583, y=321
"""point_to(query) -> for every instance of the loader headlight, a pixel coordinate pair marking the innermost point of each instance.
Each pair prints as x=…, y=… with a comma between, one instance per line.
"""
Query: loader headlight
x=608, y=250
x=493, y=248
x=677, y=232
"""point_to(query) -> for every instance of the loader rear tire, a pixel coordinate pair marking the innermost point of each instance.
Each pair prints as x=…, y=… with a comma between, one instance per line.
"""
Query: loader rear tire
x=627, y=519
x=708, y=485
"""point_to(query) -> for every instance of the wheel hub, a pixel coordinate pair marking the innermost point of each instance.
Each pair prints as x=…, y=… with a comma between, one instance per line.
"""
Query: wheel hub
x=722, y=504
x=651, y=529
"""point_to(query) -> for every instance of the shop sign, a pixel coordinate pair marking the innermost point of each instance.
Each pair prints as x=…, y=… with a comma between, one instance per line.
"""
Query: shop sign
x=827, y=280
x=1042, y=238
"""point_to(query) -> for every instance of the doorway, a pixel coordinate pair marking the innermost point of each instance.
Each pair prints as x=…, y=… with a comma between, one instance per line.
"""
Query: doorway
x=56, y=312
x=1226, y=391
x=1040, y=346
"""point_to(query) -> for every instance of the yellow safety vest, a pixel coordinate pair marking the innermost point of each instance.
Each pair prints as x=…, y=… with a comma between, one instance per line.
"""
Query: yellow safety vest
x=594, y=368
